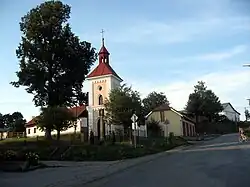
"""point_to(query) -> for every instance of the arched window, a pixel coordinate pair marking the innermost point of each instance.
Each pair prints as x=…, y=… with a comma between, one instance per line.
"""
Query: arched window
x=100, y=100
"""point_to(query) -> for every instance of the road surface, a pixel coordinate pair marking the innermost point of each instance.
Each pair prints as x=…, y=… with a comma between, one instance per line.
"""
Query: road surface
x=222, y=162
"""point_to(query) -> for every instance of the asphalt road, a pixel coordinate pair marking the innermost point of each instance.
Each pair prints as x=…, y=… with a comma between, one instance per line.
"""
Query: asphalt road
x=222, y=162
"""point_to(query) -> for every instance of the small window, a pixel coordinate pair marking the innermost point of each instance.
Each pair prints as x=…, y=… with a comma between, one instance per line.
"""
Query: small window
x=100, y=100
x=162, y=116
x=99, y=88
x=34, y=130
x=28, y=131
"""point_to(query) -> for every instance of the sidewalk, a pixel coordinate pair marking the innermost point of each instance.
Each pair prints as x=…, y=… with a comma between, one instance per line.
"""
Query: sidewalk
x=74, y=173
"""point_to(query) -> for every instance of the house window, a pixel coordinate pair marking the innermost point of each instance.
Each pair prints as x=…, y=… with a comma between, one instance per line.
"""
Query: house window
x=34, y=130
x=28, y=131
x=162, y=116
x=100, y=100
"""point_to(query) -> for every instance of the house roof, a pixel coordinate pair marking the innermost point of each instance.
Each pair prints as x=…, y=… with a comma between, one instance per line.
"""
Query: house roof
x=103, y=69
x=76, y=111
x=166, y=107
x=162, y=107
x=225, y=105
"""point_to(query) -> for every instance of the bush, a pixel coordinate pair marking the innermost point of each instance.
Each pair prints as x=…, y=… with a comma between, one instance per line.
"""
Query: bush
x=32, y=158
x=113, y=137
x=10, y=155
x=154, y=128
x=91, y=138
x=171, y=138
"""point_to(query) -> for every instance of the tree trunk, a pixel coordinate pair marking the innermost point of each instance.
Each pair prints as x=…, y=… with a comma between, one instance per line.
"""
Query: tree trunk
x=58, y=135
x=48, y=134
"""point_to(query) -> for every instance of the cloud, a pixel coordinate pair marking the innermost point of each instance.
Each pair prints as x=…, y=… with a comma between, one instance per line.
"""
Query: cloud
x=230, y=86
x=216, y=56
x=177, y=31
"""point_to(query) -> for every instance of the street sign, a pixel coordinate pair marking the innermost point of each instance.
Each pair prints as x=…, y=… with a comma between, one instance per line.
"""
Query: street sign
x=134, y=126
x=134, y=118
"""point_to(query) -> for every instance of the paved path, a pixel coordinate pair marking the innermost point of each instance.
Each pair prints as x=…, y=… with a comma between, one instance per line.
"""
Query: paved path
x=222, y=162
x=74, y=173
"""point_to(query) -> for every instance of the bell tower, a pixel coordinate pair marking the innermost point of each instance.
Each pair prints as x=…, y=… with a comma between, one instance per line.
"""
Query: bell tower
x=103, y=53
x=102, y=80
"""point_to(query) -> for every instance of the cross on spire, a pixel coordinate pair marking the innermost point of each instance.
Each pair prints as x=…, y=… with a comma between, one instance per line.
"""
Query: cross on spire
x=102, y=32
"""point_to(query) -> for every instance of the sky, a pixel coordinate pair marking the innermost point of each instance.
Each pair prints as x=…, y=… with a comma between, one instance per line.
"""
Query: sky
x=161, y=45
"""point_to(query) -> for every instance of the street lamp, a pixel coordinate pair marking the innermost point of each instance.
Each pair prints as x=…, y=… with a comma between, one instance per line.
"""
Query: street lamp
x=246, y=65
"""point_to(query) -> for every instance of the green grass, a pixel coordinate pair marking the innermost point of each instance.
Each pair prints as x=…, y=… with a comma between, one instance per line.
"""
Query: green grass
x=65, y=149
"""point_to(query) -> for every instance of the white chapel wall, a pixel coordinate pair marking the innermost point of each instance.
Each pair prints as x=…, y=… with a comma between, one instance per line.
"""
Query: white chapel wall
x=31, y=132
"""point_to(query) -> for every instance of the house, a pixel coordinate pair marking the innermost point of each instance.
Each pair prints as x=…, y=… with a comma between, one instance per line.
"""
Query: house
x=80, y=126
x=3, y=133
x=102, y=80
x=172, y=121
x=230, y=112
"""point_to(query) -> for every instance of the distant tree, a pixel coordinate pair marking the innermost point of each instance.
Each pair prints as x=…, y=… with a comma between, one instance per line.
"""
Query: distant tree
x=153, y=100
x=247, y=115
x=1, y=121
x=53, y=60
x=18, y=124
x=8, y=121
x=14, y=122
x=120, y=106
x=55, y=118
x=203, y=102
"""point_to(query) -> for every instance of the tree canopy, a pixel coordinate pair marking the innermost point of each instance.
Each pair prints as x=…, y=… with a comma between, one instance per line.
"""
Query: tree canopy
x=153, y=100
x=203, y=102
x=53, y=60
x=55, y=118
x=121, y=104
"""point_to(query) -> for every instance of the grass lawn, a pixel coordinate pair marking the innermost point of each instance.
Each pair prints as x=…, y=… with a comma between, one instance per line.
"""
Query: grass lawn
x=65, y=149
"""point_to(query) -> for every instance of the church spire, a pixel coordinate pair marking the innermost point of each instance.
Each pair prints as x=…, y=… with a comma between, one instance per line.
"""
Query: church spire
x=102, y=37
x=103, y=53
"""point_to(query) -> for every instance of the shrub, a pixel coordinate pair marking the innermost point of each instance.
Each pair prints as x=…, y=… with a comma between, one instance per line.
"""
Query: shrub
x=91, y=137
x=171, y=138
x=154, y=128
x=32, y=158
x=10, y=155
x=113, y=137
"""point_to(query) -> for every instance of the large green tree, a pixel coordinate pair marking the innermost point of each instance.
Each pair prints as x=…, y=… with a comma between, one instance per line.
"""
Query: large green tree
x=56, y=118
x=120, y=106
x=53, y=61
x=153, y=100
x=203, y=102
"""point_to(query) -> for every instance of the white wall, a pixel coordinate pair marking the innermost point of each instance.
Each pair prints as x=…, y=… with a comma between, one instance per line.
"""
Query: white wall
x=80, y=122
x=230, y=114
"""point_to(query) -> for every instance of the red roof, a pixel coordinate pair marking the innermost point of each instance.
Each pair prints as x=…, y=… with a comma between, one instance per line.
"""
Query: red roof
x=77, y=111
x=103, y=69
x=103, y=50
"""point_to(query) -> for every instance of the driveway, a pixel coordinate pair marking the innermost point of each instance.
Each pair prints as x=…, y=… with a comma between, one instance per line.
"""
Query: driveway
x=222, y=162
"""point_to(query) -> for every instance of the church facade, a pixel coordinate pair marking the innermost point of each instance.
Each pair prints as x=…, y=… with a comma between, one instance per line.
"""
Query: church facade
x=90, y=117
x=102, y=80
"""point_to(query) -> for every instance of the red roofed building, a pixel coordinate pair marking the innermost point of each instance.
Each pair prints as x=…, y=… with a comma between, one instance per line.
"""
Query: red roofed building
x=102, y=80
x=80, y=112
